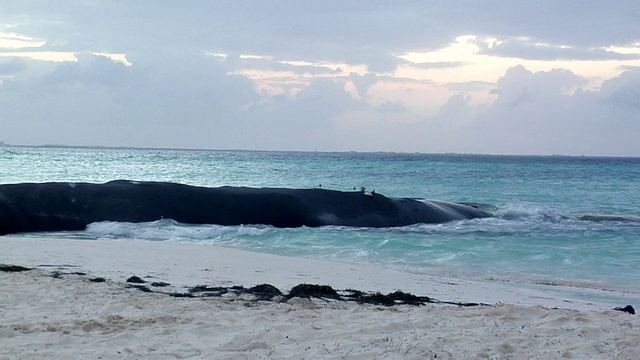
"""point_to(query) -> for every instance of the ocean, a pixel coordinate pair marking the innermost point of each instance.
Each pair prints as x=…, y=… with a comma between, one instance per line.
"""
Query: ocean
x=571, y=221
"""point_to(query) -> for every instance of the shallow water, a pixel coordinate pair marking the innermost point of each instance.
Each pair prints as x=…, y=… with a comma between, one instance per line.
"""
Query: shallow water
x=540, y=234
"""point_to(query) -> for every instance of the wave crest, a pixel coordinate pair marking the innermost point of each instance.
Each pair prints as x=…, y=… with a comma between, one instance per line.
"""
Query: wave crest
x=167, y=229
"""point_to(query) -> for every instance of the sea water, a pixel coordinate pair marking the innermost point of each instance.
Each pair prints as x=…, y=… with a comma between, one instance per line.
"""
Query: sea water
x=558, y=220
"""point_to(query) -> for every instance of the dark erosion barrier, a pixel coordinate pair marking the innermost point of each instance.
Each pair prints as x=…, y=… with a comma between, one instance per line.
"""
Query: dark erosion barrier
x=32, y=207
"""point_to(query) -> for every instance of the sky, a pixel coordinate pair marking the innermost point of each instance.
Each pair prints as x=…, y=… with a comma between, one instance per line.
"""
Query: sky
x=492, y=77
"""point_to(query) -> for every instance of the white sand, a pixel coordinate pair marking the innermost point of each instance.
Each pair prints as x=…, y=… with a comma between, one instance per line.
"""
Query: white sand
x=70, y=317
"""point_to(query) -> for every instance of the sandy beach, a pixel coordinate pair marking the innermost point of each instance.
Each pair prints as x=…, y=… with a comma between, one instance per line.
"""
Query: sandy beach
x=57, y=311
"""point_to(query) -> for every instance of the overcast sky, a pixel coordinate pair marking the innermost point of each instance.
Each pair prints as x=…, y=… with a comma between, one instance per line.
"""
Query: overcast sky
x=499, y=77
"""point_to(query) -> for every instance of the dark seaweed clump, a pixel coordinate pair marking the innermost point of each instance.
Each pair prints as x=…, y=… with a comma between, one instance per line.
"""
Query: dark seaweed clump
x=13, y=268
x=628, y=309
x=268, y=292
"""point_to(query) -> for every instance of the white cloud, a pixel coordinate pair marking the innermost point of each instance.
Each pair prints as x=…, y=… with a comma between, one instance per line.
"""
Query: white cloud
x=534, y=114
x=15, y=41
x=285, y=75
x=99, y=101
x=623, y=91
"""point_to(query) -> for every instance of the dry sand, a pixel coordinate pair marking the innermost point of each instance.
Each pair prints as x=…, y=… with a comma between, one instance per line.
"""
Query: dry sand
x=69, y=317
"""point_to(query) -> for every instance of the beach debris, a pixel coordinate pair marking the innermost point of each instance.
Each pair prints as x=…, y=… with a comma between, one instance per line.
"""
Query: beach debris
x=310, y=290
x=378, y=298
x=13, y=268
x=628, y=309
x=264, y=291
x=59, y=274
x=268, y=292
x=181, y=295
x=400, y=297
x=135, y=280
x=142, y=288
x=204, y=290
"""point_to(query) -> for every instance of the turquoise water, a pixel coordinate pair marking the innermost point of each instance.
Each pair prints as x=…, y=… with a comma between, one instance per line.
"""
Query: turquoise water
x=537, y=235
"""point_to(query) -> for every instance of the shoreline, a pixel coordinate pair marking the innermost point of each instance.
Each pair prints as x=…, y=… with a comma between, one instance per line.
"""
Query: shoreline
x=185, y=265
x=58, y=310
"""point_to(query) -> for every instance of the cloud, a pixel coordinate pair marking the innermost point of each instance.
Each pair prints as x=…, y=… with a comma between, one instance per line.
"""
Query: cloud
x=456, y=110
x=269, y=64
x=196, y=104
x=471, y=86
x=88, y=70
x=363, y=82
x=176, y=95
x=390, y=107
x=329, y=31
x=584, y=24
x=172, y=101
x=519, y=86
x=439, y=64
x=525, y=48
x=535, y=113
x=623, y=91
x=11, y=66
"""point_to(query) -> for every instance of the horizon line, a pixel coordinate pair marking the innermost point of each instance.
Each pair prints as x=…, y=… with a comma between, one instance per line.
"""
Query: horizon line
x=114, y=147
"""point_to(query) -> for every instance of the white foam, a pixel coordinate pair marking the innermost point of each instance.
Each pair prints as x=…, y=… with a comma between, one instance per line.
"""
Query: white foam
x=524, y=212
x=168, y=229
